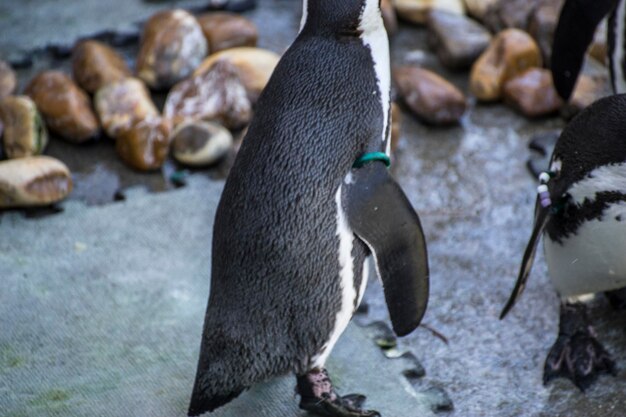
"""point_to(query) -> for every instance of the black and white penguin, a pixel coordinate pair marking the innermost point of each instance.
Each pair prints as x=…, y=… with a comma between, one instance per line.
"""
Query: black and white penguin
x=308, y=199
x=581, y=212
x=573, y=35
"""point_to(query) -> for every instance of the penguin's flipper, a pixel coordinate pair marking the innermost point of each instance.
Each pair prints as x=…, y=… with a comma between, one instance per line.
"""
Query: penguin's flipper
x=573, y=34
x=380, y=214
x=542, y=214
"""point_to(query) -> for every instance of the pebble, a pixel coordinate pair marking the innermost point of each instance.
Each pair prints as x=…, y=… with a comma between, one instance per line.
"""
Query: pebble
x=217, y=94
x=533, y=93
x=458, y=40
x=599, y=49
x=224, y=30
x=121, y=103
x=255, y=67
x=65, y=107
x=389, y=17
x=8, y=80
x=200, y=143
x=432, y=98
x=145, y=144
x=172, y=45
x=542, y=25
x=516, y=13
x=95, y=64
x=33, y=181
x=24, y=131
x=396, y=125
x=510, y=53
x=479, y=9
x=586, y=91
x=416, y=11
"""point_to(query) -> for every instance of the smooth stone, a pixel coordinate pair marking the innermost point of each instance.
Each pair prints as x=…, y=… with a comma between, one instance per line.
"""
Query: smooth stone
x=389, y=17
x=416, y=11
x=458, y=40
x=542, y=25
x=8, y=80
x=586, y=91
x=432, y=98
x=478, y=9
x=172, y=46
x=95, y=64
x=217, y=94
x=396, y=125
x=255, y=67
x=33, y=181
x=121, y=103
x=65, y=107
x=145, y=144
x=516, y=13
x=510, y=53
x=200, y=144
x=533, y=93
x=24, y=131
x=225, y=30
x=599, y=49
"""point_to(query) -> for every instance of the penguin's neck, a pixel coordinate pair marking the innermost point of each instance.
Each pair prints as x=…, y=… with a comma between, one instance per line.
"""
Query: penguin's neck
x=340, y=17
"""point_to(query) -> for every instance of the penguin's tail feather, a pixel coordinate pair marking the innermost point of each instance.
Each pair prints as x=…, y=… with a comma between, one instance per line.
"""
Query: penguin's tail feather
x=202, y=403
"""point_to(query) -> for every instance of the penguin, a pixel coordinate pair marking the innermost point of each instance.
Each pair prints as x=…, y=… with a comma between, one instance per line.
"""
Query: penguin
x=573, y=35
x=308, y=200
x=581, y=214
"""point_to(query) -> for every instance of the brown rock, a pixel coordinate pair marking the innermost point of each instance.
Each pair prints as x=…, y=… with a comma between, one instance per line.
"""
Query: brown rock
x=429, y=96
x=599, y=49
x=24, y=131
x=389, y=17
x=255, y=67
x=200, y=143
x=533, y=93
x=172, y=45
x=586, y=91
x=64, y=106
x=145, y=144
x=225, y=30
x=8, y=81
x=458, y=40
x=121, y=103
x=416, y=11
x=396, y=124
x=95, y=64
x=510, y=53
x=33, y=181
x=217, y=94
x=542, y=25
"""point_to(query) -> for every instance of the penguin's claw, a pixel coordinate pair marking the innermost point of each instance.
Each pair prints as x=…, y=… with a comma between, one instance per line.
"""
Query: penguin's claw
x=580, y=358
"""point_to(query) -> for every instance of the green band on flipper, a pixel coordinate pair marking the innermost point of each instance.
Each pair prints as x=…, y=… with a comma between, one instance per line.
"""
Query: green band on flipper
x=370, y=157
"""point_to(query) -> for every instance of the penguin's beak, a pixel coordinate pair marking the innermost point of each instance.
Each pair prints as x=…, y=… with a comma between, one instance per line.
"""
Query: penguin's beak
x=574, y=32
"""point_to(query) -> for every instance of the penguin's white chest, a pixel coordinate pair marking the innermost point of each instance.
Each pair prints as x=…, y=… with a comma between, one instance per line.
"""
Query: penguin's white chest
x=594, y=259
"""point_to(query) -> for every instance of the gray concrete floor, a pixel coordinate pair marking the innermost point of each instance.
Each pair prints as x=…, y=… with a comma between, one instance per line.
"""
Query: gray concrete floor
x=87, y=320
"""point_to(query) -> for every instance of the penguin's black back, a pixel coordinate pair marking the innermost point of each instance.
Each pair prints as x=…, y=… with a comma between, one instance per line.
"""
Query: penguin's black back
x=275, y=286
x=595, y=138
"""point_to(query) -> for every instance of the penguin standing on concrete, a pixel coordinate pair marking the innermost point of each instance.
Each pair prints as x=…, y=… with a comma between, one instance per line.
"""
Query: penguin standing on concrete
x=581, y=212
x=308, y=199
x=573, y=35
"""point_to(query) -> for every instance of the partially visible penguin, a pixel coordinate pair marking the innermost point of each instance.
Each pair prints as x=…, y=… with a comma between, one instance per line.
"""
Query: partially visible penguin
x=581, y=213
x=573, y=35
x=308, y=199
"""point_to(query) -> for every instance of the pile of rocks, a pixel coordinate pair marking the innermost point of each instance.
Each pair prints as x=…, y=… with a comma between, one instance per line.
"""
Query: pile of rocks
x=505, y=45
x=208, y=65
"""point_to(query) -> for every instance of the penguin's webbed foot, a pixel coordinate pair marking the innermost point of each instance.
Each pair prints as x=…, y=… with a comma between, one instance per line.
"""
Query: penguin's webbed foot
x=318, y=396
x=577, y=355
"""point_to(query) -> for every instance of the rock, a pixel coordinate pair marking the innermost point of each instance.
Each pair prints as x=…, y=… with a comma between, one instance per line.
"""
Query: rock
x=396, y=124
x=389, y=17
x=533, y=93
x=542, y=25
x=24, y=131
x=8, y=80
x=145, y=144
x=66, y=108
x=479, y=9
x=33, y=181
x=599, y=49
x=458, y=40
x=200, y=143
x=255, y=67
x=225, y=30
x=217, y=94
x=416, y=11
x=172, y=45
x=95, y=64
x=510, y=53
x=586, y=91
x=429, y=96
x=121, y=103
x=516, y=13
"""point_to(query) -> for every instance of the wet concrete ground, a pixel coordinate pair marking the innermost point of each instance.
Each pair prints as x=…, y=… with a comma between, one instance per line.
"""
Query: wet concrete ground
x=475, y=199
